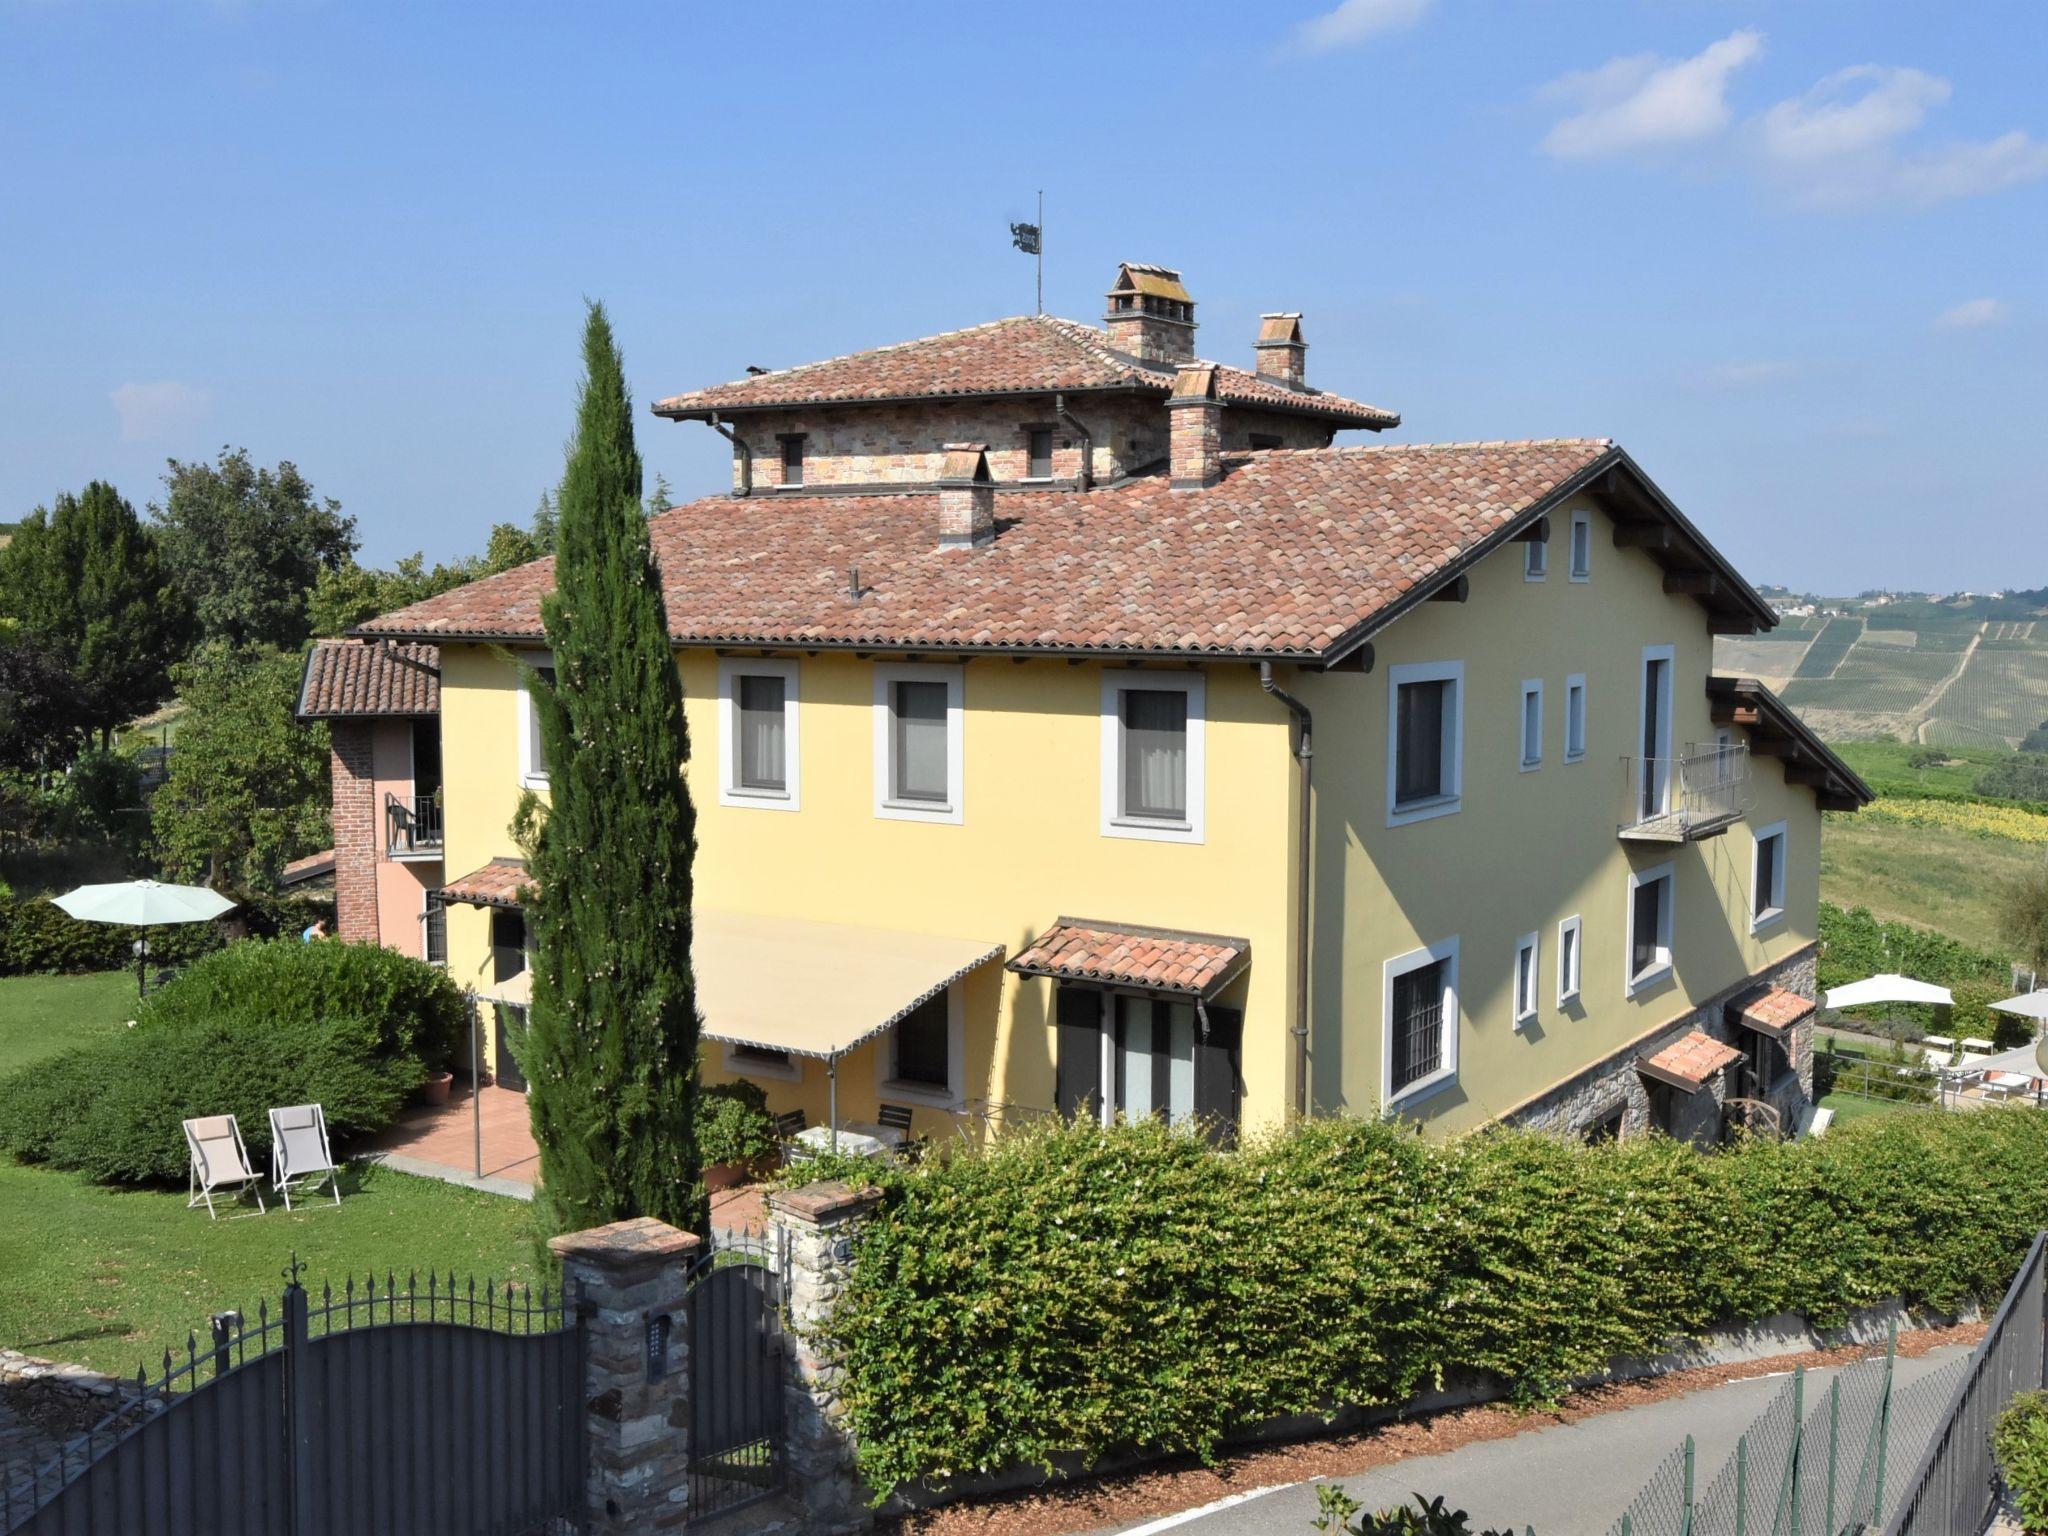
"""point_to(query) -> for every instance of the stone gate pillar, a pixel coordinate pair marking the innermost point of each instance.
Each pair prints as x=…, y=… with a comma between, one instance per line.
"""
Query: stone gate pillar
x=630, y=1283
x=820, y=1221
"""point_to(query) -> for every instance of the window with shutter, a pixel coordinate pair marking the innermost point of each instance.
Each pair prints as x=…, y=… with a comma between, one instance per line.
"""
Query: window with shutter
x=1077, y=1050
x=1038, y=454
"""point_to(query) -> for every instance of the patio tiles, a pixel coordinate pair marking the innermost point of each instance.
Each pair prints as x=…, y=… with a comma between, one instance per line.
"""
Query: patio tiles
x=741, y=1211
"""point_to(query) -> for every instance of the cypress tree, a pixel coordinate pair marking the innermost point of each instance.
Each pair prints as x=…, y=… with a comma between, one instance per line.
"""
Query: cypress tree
x=611, y=1048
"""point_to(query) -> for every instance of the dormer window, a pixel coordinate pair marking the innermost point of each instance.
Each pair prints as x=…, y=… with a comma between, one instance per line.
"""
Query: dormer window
x=792, y=458
x=1038, y=453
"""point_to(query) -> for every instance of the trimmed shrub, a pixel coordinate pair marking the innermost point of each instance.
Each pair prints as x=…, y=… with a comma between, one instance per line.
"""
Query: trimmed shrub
x=1094, y=1291
x=38, y=938
x=352, y=1027
x=733, y=1124
x=2020, y=1441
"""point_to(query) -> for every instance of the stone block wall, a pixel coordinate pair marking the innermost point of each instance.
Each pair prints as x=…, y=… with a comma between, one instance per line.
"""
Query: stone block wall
x=1614, y=1083
x=357, y=829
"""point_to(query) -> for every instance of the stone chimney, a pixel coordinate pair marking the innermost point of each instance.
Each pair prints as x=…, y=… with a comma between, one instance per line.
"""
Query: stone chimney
x=1195, y=417
x=1282, y=354
x=967, y=497
x=1150, y=315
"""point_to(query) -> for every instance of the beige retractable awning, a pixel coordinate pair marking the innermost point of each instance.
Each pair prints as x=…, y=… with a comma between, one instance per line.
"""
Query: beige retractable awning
x=516, y=990
x=817, y=989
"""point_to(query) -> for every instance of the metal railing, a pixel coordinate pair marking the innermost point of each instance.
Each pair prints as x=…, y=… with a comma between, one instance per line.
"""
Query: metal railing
x=1953, y=1488
x=1675, y=799
x=412, y=823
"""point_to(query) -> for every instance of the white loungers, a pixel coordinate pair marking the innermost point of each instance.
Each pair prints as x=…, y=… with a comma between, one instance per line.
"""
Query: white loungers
x=299, y=1155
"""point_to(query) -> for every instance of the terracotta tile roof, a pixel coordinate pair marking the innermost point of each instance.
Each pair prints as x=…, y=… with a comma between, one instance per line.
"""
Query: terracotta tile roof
x=1690, y=1062
x=1292, y=552
x=1773, y=1011
x=314, y=866
x=1076, y=949
x=499, y=883
x=1027, y=354
x=347, y=677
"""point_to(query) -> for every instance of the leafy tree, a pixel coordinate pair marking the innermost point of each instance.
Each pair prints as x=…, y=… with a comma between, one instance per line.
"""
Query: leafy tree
x=2021, y=777
x=247, y=790
x=41, y=724
x=611, y=1046
x=660, y=498
x=2026, y=917
x=350, y=594
x=247, y=545
x=87, y=583
x=509, y=545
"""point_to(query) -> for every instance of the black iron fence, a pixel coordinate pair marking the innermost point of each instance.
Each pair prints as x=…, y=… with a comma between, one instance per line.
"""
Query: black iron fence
x=1954, y=1488
x=395, y=1409
x=736, y=1372
x=412, y=823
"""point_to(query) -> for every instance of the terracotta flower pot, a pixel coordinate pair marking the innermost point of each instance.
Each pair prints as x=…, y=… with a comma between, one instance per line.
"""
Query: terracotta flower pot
x=435, y=1089
x=720, y=1176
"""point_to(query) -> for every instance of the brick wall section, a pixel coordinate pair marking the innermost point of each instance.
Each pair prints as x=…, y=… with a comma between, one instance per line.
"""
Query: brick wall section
x=1596, y=1092
x=1197, y=443
x=356, y=841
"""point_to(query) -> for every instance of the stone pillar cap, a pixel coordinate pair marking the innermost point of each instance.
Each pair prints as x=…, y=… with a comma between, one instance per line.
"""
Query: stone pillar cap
x=825, y=1199
x=624, y=1246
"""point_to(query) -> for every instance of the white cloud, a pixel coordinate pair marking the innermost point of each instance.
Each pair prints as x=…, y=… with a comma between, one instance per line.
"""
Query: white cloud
x=1973, y=314
x=161, y=410
x=1356, y=21
x=1749, y=375
x=1835, y=119
x=1643, y=102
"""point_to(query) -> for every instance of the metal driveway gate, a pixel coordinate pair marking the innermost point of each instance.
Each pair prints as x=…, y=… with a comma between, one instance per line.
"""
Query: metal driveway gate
x=383, y=1410
x=736, y=1373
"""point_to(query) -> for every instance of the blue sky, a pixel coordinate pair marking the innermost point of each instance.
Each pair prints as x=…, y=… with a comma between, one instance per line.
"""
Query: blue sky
x=1790, y=254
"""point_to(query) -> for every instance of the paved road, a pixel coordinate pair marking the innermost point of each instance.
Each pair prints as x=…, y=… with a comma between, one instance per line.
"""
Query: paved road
x=1567, y=1480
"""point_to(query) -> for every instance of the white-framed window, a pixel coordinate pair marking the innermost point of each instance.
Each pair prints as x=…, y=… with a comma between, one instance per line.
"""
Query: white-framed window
x=1419, y=1007
x=1655, y=771
x=919, y=721
x=1154, y=761
x=922, y=1059
x=1571, y=961
x=1575, y=717
x=1528, y=959
x=761, y=1061
x=533, y=758
x=1535, y=559
x=1767, y=877
x=1582, y=546
x=757, y=734
x=1532, y=723
x=1425, y=740
x=1652, y=896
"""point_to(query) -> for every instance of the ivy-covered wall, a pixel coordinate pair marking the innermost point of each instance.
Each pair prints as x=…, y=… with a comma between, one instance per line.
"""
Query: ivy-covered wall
x=1090, y=1291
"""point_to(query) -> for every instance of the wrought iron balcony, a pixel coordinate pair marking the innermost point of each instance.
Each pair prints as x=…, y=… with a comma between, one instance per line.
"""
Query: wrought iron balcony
x=1685, y=799
x=412, y=825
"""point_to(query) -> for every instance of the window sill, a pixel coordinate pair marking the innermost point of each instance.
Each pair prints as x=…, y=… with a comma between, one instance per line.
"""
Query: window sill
x=1036, y=480
x=1566, y=999
x=1582, y=577
x=917, y=810
x=757, y=799
x=1400, y=814
x=1523, y=1021
x=533, y=781
x=1423, y=1089
x=1529, y=766
x=1534, y=575
x=926, y=1095
x=1642, y=981
x=1764, y=921
x=1156, y=829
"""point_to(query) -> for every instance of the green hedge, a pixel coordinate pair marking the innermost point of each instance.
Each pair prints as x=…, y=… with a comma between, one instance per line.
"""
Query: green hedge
x=37, y=937
x=352, y=1027
x=2020, y=1441
x=1088, y=1291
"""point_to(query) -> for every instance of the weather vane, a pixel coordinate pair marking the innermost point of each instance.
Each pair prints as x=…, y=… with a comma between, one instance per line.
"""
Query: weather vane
x=1030, y=239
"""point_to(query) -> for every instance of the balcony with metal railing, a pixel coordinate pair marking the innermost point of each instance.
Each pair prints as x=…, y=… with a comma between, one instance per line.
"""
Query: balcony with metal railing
x=1684, y=799
x=412, y=826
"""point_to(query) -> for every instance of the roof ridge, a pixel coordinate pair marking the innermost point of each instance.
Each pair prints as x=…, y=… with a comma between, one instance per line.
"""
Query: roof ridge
x=845, y=357
x=1494, y=442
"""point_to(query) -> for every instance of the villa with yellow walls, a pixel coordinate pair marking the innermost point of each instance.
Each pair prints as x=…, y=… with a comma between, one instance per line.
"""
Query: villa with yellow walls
x=1264, y=776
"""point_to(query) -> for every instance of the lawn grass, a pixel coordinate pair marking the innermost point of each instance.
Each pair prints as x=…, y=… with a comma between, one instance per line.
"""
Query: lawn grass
x=1935, y=877
x=42, y=1015
x=109, y=1277
x=1854, y=1106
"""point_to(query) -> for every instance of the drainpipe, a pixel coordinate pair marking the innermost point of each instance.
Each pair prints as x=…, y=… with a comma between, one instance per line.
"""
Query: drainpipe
x=746, y=454
x=1087, y=475
x=1304, y=754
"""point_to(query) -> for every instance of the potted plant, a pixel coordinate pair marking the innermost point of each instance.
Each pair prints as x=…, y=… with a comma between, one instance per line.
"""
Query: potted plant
x=436, y=1088
x=734, y=1132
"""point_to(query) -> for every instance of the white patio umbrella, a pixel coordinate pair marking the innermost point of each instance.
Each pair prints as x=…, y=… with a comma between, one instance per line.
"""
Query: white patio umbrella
x=2033, y=1005
x=143, y=904
x=1888, y=988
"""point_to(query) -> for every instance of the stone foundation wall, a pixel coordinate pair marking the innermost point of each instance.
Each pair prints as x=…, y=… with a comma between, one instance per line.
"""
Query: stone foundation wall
x=1614, y=1083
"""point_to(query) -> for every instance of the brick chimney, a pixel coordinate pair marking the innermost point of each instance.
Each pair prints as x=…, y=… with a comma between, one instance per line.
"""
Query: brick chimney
x=1282, y=354
x=1195, y=417
x=1150, y=315
x=967, y=497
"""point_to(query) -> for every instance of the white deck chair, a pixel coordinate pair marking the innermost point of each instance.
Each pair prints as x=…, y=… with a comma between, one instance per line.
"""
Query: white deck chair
x=299, y=1152
x=219, y=1161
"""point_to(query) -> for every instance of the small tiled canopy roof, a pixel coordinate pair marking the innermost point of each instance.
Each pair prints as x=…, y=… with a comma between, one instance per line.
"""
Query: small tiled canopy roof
x=1124, y=955
x=1773, y=1011
x=1690, y=1062
x=499, y=883
x=1024, y=355
x=314, y=866
x=346, y=678
x=1294, y=555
